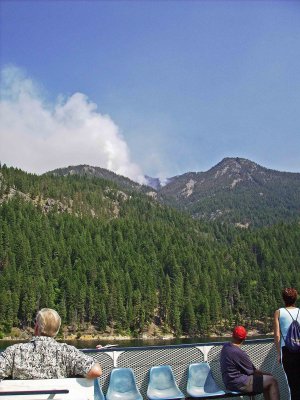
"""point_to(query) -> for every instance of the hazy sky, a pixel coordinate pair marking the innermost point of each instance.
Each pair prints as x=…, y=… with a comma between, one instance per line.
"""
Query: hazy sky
x=149, y=87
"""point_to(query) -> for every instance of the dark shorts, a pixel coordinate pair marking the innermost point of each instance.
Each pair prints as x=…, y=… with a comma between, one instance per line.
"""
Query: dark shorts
x=255, y=384
x=291, y=365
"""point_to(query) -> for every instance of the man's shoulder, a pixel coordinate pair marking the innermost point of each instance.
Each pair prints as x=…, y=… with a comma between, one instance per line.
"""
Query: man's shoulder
x=50, y=341
x=17, y=346
x=40, y=342
x=225, y=349
x=227, y=346
x=67, y=348
x=231, y=349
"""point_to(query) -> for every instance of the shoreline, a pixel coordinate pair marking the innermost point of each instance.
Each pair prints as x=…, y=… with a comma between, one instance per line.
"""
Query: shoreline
x=120, y=338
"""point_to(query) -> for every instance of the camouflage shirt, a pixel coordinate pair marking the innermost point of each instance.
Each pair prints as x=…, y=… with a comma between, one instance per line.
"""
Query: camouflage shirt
x=43, y=358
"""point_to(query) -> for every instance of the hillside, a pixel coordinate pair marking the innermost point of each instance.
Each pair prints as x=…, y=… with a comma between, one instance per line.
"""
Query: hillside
x=236, y=191
x=88, y=171
x=119, y=261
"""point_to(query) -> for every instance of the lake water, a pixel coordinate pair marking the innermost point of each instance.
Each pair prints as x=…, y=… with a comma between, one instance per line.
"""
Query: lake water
x=91, y=344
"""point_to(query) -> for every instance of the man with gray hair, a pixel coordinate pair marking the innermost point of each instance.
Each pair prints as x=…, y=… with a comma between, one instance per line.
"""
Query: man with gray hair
x=43, y=357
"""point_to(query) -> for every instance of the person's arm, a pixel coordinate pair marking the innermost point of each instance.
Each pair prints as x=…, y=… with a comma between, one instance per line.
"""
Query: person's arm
x=99, y=346
x=94, y=372
x=80, y=364
x=277, y=335
x=259, y=372
x=244, y=363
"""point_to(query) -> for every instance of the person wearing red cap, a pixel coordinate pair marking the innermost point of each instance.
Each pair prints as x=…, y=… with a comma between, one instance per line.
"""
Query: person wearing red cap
x=239, y=373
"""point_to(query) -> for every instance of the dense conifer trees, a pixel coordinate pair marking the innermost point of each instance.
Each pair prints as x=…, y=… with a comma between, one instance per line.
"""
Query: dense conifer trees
x=131, y=261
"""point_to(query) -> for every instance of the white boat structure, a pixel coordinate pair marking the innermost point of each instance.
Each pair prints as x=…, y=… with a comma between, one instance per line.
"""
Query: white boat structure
x=137, y=363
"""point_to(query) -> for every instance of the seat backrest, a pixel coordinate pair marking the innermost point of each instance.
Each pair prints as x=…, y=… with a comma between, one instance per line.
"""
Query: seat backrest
x=98, y=394
x=40, y=389
x=122, y=384
x=198, y=374
x=161, y=377
x=200, y=378
x=162, y=384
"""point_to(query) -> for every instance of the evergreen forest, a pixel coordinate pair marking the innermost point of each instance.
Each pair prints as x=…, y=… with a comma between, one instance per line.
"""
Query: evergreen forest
x=118, y=260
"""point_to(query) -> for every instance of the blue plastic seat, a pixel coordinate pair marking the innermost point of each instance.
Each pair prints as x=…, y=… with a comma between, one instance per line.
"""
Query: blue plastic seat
x=162, y=385
x=98, y=394
x=122, y=385
x=201, y=382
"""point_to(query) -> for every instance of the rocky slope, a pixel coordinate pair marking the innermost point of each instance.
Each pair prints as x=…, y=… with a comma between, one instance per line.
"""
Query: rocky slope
x=236, y=190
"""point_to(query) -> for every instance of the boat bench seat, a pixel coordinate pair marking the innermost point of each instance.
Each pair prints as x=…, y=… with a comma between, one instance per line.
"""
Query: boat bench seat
x=57, y=389
x=202, y=385
x=162, y=386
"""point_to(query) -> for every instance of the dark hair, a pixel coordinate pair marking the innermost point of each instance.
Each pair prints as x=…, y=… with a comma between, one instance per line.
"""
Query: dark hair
x=289, y=296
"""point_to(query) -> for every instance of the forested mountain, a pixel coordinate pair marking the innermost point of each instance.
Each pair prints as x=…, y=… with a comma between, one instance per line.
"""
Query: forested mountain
x=235, y=191
x=119, y=260
x=97, y=172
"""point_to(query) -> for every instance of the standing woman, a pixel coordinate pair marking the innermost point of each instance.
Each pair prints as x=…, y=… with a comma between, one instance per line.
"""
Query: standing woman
x=290, y=361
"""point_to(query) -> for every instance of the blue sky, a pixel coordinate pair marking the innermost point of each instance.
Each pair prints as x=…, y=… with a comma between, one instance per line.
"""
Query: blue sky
x=149, y=87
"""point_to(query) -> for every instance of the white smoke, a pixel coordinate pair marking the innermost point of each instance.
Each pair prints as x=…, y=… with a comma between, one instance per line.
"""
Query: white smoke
x=37, y=136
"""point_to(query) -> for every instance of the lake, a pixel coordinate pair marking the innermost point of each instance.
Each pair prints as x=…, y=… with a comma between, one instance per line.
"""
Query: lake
x=91, y=344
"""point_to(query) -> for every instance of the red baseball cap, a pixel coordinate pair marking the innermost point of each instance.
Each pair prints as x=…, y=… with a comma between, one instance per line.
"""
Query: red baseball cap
x=239, y=332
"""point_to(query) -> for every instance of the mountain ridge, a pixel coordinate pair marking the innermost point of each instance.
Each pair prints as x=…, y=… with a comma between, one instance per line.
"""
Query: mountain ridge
x=155, y=182
x=235, y=190
x=97, y=172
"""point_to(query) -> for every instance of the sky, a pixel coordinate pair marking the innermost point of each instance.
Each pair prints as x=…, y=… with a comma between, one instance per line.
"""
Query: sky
x=149, y=87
